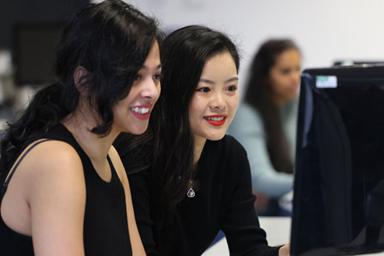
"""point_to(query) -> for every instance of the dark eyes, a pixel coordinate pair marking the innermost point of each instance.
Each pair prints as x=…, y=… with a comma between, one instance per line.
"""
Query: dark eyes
x=232, y=88
x=203, y=89
x=287, y=71
x=156, y=77
x=138, y=77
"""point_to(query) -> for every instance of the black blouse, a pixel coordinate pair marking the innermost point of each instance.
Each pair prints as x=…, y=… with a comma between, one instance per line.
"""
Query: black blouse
x=223, y=201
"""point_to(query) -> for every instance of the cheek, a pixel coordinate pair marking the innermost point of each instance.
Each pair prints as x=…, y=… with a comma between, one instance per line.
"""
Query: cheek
x=194, y=124
x=234, y=102
x=196, y=107
x=278, y=84
x=158, y=93
x=276, y=79
x=116, y=109
x=192, y=116
x=121, y=106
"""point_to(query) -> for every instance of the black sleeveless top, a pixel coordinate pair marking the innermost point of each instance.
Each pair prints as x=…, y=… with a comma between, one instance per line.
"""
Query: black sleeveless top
x=105, y=220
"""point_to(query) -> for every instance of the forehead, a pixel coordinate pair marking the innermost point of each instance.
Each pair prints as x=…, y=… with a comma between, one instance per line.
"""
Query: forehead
x=288, y=57
x=221, y=64
x=153, y=58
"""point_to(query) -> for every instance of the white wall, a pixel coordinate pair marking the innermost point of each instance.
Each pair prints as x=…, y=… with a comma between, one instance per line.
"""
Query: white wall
x=325, y=30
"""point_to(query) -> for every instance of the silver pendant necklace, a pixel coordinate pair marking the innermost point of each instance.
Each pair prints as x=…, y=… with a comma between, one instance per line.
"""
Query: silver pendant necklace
x=191, y=192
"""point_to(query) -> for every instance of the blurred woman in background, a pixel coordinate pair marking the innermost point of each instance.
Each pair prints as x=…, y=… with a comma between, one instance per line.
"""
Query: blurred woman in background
x=265, y=123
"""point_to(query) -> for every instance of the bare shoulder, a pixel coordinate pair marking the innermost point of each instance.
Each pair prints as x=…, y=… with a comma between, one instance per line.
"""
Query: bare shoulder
x=50, y=172
x=53, y=157
x=51, y=164
x=57, y=195
x=59, y=150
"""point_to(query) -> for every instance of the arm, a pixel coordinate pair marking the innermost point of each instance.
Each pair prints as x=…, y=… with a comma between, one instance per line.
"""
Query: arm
x=137, y=245
x=55, y=193
x=247, y=127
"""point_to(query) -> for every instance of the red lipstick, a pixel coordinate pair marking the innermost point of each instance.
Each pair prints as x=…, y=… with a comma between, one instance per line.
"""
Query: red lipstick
x=215, y=120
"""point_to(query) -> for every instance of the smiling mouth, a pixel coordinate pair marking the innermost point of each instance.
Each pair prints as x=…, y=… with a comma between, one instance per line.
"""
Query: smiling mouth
x=140, y=110
x=142, y=113
x=217, y=120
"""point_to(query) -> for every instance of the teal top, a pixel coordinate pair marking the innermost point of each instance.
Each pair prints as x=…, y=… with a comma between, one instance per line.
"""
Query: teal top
x=248, y=128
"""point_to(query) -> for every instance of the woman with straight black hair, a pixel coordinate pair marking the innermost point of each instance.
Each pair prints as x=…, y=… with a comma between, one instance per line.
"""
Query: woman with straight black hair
x=200, y=180
x=64, y=188
x=266, y=122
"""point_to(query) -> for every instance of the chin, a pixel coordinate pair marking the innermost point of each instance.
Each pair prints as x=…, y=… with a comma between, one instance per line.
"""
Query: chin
x=137, y=130
x=214, y=137
x=291, y=96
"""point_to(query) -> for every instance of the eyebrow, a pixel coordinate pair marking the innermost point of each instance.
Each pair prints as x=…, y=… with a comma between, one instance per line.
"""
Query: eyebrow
x=146, y=67
x=232, y=79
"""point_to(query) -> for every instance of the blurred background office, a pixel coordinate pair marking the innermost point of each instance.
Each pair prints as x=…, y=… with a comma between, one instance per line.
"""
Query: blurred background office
x=326, y=31
x=29, y=32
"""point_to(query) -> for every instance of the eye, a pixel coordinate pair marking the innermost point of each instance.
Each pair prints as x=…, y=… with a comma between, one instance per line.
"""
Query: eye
x=203, y=89
x=285, y=71
x=158, y=76
x=138, y=77
x=232, y=88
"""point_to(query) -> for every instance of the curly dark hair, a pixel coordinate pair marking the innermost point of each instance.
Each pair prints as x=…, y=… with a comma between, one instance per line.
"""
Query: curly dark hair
x=111, y=41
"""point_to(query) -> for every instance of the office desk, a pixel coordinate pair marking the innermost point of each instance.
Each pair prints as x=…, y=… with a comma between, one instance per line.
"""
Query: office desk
x=278, y=232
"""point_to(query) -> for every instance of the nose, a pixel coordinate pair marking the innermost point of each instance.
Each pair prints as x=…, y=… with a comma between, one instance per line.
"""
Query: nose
x=296, y=77
x=150, y=88
x=217, y=104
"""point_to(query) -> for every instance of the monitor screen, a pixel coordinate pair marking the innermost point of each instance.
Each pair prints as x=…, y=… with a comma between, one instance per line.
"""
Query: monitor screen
x=35, y=52
x=338, y=205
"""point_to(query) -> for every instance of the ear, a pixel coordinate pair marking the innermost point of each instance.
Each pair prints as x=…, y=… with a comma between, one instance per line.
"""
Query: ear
x=79, y=76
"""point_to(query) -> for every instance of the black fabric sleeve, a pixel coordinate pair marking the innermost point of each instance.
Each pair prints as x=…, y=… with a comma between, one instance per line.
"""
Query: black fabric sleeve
x=240, y=221
x=139, y=184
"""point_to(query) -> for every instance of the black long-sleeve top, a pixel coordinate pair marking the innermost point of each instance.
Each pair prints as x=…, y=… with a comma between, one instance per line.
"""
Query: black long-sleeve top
x=223, y=200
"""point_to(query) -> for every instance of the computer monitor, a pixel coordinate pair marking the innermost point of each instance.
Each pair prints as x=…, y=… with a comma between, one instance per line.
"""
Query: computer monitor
x=35, y=52
x=338, y=204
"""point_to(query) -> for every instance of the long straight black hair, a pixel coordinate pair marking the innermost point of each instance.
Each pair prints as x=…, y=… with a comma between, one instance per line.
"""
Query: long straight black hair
x=111, y=41
x=183, y=54
x=258, y=95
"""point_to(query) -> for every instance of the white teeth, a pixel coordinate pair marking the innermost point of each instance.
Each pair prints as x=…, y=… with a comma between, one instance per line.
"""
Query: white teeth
x=215, y=118
x=140, y=110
